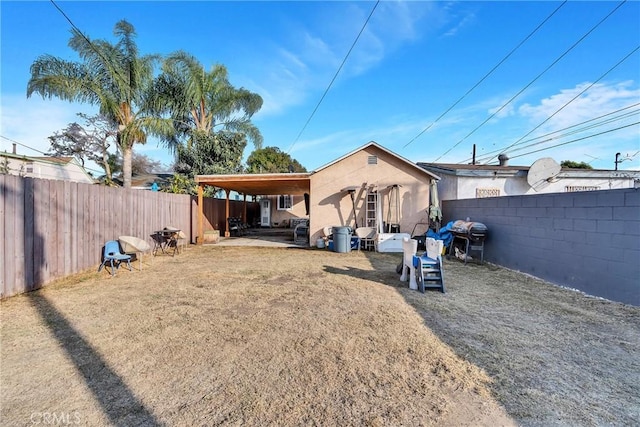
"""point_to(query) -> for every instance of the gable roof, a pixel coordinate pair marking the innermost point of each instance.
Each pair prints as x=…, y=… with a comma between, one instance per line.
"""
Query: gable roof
x=389, y=152
x=289, y=183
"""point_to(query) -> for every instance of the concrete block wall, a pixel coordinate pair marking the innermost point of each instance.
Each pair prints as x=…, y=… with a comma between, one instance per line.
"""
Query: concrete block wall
x=585, y=240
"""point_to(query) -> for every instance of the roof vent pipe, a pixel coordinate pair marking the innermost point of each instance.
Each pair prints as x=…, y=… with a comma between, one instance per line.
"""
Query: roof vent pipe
x=14, y=148
x=503, y=159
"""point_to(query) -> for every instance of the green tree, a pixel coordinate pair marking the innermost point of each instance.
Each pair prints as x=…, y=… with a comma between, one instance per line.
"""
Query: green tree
x=575, y=165
x=272, y=160
x=114, y=77
x=218, y=153
x=203, y=103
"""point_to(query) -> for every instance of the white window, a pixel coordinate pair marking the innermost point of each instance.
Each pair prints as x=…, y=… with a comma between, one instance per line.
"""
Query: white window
x=285, y=203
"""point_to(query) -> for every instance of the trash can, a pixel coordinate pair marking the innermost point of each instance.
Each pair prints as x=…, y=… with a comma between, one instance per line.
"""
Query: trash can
x=341, y=239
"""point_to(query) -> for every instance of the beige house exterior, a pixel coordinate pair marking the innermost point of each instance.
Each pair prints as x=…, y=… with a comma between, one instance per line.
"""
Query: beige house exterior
x=396, y=184
x=386, y=189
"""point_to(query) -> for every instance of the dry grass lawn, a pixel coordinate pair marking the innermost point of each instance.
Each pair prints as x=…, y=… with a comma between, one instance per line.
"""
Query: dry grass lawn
x=263, y=336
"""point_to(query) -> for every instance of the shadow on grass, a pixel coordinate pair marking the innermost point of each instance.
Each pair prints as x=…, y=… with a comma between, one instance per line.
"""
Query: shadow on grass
x=118, y=401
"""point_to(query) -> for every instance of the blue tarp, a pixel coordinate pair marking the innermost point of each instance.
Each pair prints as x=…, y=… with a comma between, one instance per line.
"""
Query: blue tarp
x=443, y=234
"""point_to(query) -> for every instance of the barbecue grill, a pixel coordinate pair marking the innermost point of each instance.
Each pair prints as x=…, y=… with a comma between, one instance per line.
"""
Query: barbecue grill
x=473, y=235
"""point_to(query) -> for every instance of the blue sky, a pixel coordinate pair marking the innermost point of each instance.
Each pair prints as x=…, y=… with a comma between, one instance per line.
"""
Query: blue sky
x=413, y=61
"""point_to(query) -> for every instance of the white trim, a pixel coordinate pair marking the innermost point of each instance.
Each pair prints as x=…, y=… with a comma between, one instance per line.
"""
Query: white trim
x=282, y=198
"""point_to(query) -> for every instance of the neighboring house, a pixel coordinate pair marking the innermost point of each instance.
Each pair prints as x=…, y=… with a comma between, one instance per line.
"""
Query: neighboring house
x=146, y=181
x=58, y=168
x=460, y=181
x=369, y=186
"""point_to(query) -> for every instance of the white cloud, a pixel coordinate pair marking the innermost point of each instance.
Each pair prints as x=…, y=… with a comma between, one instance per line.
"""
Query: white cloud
x=31, y=121
x=310, y=57
x=600, y=99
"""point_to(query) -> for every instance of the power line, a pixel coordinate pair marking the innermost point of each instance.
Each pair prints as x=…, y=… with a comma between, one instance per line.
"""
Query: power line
x=534, y=80
x=579, y=139
x=45, y=154
x=573, y=126
x=559, y=135
x=486, y=75
x=572, y=99
x=335, y=76
x=91, y=44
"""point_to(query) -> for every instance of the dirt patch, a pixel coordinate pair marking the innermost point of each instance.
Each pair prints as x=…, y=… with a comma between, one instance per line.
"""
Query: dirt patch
x=246, y=336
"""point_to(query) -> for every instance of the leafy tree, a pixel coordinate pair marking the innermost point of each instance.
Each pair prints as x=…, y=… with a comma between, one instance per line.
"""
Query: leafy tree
x=4, y=166
x=219, y=153
x=90, y=142
x=272, y=160
x=575, y=165
x=114, y=77
x=200, y=102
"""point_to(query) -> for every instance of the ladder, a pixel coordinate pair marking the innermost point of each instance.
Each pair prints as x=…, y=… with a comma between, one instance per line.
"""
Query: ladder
x=371, y=208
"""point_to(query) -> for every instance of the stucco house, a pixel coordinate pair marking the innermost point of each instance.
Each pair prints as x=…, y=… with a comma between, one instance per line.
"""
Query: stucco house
x=368, y=187
x=460, y=181
x=58, y=168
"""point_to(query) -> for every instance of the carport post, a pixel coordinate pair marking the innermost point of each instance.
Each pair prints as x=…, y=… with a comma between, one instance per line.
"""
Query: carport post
x=226, y=219
x=200, y=238
x=244, y=210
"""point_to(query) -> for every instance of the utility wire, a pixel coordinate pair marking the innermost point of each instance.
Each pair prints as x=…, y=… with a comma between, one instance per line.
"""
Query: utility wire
x=570, y=101
x=486, y=75
x=572, y=126
x=91, y=44
x=549, y=137
x=45, y=154
x=579, y=139
x=576, y=131
x=534, y=80
x=335, y=76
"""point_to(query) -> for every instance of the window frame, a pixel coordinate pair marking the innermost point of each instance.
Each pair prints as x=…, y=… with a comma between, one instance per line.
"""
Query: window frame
x=281, y=202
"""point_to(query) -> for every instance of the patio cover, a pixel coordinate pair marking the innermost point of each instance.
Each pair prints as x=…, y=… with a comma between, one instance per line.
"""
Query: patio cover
x=250, y=184
x=260, y=184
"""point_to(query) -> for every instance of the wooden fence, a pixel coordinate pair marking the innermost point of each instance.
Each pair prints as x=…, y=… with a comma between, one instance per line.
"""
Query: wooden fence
x=51, y=229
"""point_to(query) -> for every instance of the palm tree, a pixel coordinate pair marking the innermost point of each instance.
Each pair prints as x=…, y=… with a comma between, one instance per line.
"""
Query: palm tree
x=114, y=77
x=200, y=101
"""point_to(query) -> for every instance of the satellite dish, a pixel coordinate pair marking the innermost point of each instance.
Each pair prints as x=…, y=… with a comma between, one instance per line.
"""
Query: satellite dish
x=542, y=172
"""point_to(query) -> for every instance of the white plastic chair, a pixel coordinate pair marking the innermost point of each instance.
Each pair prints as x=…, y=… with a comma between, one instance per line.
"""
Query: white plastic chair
x=409, y=249
x=366, y=235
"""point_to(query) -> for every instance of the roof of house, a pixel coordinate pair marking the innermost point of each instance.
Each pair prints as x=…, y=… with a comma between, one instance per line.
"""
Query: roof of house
x=474, y=170
x=260, y=184
x=61, y=161
x=408, y=162
x=287, y=183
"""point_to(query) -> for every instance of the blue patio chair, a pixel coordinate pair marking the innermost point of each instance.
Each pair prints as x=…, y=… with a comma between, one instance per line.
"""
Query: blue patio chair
x=114, y=257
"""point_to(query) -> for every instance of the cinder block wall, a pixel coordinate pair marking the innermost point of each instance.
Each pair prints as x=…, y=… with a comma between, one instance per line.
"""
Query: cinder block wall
x=588, y=240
